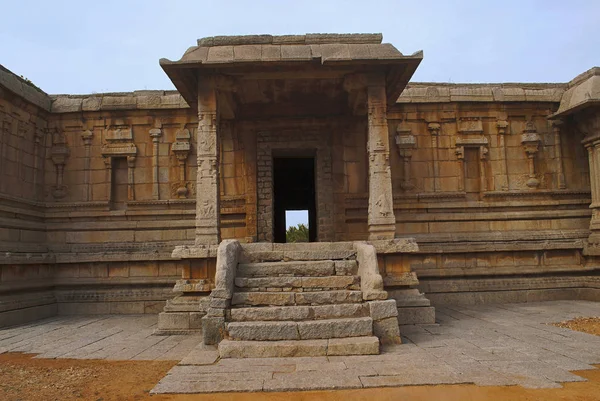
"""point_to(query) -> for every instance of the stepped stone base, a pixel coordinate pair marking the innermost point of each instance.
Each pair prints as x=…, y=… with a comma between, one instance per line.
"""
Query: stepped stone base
x=413, y=307
x=182, y=315
x=296, y=348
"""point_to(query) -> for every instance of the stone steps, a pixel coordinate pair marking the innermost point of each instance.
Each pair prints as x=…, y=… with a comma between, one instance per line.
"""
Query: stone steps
x=292, y=282
x=318, y=268
x=366, y=345
x=303, y=330
x=284, y=298
x=302, y=312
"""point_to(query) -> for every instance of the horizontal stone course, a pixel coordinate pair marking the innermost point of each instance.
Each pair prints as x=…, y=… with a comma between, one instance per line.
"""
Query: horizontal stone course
x=305, y=268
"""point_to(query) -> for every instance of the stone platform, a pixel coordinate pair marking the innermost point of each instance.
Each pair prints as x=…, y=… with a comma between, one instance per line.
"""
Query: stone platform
x=504, y=344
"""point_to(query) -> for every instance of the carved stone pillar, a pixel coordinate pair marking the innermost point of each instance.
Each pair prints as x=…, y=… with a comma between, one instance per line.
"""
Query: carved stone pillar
x=207, y=179
x=502, y=126
x=560, y=175
x=531, y=142
x=108, y=177
x=59, y=154
x=181, y=149
x=434, y=130
x=381, y=220
x=155, y=134
x=87, y=136
x=460, y=156
x=405, y=142
x=130, y=178
x=589, y=123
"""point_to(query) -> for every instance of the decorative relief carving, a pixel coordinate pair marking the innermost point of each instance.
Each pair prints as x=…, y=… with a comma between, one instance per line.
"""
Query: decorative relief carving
x=470, y=126
x=531, y=142
x=59, y=153
x=86, y=137
x=181, y=149
x=406, y=142
x=119, y=143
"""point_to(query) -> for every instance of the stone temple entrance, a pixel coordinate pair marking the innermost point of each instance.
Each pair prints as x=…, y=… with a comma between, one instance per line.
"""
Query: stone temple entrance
x=293, y=189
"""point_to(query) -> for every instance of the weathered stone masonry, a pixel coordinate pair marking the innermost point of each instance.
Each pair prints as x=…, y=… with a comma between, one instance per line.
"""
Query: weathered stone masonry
x=497, y=183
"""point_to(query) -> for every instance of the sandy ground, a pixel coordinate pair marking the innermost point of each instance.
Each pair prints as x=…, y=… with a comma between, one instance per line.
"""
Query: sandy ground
x=24, y=378
x=590, y=325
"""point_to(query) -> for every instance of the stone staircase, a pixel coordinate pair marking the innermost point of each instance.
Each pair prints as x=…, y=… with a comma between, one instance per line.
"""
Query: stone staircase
x=298, y=300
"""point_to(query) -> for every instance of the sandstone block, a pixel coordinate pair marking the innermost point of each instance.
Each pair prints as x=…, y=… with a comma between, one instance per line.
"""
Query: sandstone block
x=345, y=267
x=335, y=328
x=173, y=321
x=279, y=282
x=213, y=330
x=308, y=268
x=339, y=311
x=353, y=346
x=219, y=303
x=328, y=297
x=271, y=313
x=329, y=282
x=259, y=331
x=263, y=298
x=387, y=330
x=272, y=349
x=383, y=309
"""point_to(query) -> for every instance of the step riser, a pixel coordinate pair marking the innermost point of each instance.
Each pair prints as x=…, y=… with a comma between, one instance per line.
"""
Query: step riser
x=298, y=269
x=296, y=298
x=305, y=330
x=296, y=313
x=295, y=283
x=274, y=349
x=278, y=256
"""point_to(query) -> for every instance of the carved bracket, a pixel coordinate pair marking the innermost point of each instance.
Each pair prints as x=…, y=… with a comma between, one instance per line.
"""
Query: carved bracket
x=531, y=142
x=59, y=153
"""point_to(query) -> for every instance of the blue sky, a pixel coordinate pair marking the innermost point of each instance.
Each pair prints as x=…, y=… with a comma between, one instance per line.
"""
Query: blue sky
x=99, y=46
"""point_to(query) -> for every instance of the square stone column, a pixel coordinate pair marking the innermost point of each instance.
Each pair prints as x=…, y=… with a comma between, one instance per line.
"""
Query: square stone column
x=589, y=123
x=381, y=220
x=207, y=179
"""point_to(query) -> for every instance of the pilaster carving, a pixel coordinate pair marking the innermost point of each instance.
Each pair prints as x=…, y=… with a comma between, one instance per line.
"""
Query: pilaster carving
x=181, y=149
x=381, y=220
x=531, y=143
x=434, y=129
x=207, y=182
x=560, y=175
x=406, y=142
x=86, y=137
x=38, y=135
x=59, y=153
x=155, y=134
x=502, y=127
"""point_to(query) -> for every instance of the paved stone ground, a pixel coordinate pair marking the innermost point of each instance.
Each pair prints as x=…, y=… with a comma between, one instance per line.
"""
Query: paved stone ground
x=113, y=337
x=508, y=344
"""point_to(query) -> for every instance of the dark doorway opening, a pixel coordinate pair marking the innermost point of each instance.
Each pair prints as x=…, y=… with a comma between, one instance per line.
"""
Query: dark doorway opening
x=293, y=189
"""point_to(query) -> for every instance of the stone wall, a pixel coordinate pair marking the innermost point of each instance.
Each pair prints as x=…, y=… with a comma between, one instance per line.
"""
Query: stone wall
x=97, y=190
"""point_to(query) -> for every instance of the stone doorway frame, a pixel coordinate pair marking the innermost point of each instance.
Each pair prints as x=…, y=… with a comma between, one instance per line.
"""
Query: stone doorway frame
x=285, y=140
